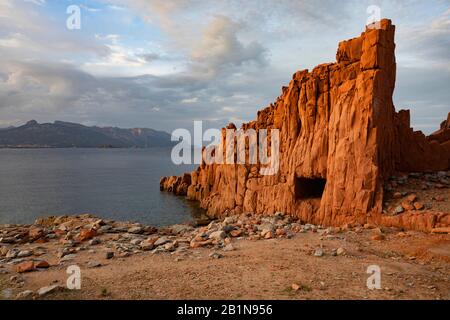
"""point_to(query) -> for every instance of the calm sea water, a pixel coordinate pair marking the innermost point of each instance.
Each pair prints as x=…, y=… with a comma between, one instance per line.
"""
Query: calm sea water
x=118, y=184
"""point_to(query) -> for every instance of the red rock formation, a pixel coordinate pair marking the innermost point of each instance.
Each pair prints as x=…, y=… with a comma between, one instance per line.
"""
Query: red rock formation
x=340, y=139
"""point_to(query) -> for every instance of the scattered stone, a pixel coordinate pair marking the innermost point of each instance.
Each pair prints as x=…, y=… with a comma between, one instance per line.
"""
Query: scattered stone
x=397, y=195
x=441, y=230
x=318, y=253
x=229, y=220
x=42, y=264
x=24, y=295
x=378, y=237
x=161, y=241
x=94, y=242
x=109, y=255
x=340, y=251
x=3, y=251
x=105, y=229
x=93, y=264
x=63, y=252
x=236, y=233
x=136, y=230
x=136, y=242
x=6, y=293
x=217, y=235
x=8, y=240
x=215, y=255
x=398, y=210
x=49, y=289
x=180, y=228
x=67, y=257
x=170, y=246
x=418, y=206
x=200, y=244
x=24, y=253
x=147, y=245
x=412, y=197
x=227, y=228
x=268, y=235
x=295, y=287
x=407, y=206
x=26, y=266
x=229, y=247
x=36, y=233
x=12, y=254
x=87, y=234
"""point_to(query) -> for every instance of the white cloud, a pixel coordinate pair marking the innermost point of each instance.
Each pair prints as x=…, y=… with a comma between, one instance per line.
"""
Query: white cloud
x=220, y=60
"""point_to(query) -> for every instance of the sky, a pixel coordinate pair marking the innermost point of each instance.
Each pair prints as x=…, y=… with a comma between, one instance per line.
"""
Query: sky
x=163, y=64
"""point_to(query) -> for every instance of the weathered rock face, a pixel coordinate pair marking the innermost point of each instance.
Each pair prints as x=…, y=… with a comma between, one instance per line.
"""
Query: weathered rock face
x=340, y=139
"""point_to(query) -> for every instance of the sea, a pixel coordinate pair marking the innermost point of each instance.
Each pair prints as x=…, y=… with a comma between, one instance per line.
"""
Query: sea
x=113, y=184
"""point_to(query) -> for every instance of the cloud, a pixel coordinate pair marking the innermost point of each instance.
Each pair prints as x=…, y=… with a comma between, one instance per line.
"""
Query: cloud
x=428, y=45
x=164, y=64
x=220, y=48
x=37, y=2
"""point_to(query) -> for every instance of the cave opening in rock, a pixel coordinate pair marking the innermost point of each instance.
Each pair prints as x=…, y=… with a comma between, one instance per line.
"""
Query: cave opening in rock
x=309, y=188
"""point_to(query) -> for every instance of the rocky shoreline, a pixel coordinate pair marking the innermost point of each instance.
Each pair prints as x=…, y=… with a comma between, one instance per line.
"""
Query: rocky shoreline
x=54, y=243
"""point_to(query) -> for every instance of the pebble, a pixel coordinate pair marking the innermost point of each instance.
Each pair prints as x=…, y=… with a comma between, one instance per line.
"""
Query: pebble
x=295, y=287
x=27, y=294
x=229, y=247
x=136, y=230
x=49, y=289
x=94, y=242
x=227, y=228
x=12, y=254
x=93, y=264
x=217, y=235
x=68, y=257
x=398, y=210
x=318, y=253
x=215, y=255
x=418, y=205
x=169, y=247
x=6, y=293
x=378, y=237
x=42, y=264
x=136, y=242
x=26, y=266
x=180, y=228
x=24, y=253
x=161, y=241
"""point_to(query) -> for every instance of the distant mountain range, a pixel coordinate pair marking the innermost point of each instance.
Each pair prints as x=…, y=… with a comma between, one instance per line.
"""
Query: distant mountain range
x=72, y=135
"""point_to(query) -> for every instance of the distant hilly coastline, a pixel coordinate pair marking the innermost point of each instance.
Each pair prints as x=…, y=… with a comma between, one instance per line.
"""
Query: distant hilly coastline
x=73, y=135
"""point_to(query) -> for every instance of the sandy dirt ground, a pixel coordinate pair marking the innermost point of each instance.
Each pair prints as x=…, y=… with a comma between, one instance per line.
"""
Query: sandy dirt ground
x=413, y=265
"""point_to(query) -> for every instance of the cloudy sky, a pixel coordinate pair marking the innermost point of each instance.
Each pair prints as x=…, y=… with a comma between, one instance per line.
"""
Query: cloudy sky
x=163, y=64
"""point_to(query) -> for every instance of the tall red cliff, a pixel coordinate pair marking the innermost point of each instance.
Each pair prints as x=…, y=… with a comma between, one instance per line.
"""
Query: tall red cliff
x=340, y=139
